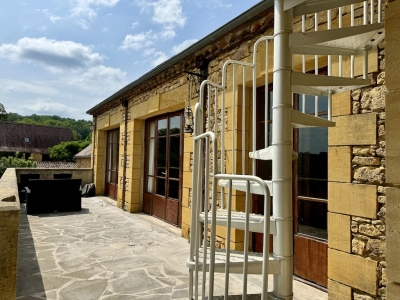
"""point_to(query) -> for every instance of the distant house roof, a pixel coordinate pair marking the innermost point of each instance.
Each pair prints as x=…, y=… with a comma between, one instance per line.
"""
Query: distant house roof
x=87, y=152
x=31, y=138
x=56, y=165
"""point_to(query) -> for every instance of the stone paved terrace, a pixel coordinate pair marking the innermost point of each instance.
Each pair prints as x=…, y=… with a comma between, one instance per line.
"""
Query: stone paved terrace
x=105, y=253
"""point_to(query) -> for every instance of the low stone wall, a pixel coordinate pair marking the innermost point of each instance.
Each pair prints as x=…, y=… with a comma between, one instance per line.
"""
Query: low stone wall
x=85, y=174
x=9, y=223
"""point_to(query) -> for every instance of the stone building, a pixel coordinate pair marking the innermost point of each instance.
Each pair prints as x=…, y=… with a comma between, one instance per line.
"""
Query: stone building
x=346, y=192
x=31, y=140
x=84, y=158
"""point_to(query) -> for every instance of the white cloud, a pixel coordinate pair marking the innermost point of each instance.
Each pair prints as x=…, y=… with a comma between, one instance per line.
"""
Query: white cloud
x=99, y=79
x=182, y=46
x=42, y=28
x=155, y=57
x=166, y=12
x=21, y=87
x=145, y=39
x=56, y=56
x=105, y=29
x=87, y=8
x=213, y=4
x=166, y=33
x=137, y=41
x=53, y=18
x=48, y=107
x=83, y=23
x=134, y=24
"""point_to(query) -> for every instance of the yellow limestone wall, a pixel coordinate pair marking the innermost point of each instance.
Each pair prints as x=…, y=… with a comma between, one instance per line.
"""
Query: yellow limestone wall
x=392, y=27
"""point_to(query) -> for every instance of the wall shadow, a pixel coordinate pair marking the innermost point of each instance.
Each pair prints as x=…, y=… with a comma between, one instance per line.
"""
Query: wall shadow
x=29, y=277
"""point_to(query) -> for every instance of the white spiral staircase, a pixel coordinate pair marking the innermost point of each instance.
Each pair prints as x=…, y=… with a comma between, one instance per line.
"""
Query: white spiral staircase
x=210, y=143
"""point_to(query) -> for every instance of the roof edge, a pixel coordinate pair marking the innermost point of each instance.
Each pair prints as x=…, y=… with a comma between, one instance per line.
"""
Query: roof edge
x=245, y=16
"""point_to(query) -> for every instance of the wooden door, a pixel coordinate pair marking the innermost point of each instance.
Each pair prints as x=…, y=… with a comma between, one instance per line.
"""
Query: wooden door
x=111, y=186
x=309, y=189
x=163, y=184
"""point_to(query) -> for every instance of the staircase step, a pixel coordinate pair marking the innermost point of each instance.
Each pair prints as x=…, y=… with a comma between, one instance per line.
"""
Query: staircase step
x=304, y=7
x=267, y=154
x=255, y=261
x=300, y=120
x=271, y=296
x=340, y=41
x=321, y=85
x=240, y=185
x=238, y=219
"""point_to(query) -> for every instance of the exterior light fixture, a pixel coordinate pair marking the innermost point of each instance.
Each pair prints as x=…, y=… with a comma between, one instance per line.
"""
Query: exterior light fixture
x=188, y=112
x=91, y=126
x=188, y=115
x=188, y=120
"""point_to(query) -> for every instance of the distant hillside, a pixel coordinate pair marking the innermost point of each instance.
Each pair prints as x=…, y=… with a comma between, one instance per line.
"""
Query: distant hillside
x=80, y=128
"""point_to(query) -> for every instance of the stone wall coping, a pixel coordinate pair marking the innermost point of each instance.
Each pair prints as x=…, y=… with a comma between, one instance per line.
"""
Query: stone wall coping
x=86, y=174
x=9, y=187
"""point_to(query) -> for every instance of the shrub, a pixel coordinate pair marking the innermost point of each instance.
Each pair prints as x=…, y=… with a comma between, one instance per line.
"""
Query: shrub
x=67, y=150
x=15, y=162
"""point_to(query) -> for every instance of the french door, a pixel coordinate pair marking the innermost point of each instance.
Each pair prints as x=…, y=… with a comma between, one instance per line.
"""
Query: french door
x=311, y=195
x=310, y=186
x=111, y=186
x=163, y=172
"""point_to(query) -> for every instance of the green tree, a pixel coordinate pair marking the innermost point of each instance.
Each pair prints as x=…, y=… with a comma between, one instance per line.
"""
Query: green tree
x=67, y=150
x=15, y=162
x=3, y=113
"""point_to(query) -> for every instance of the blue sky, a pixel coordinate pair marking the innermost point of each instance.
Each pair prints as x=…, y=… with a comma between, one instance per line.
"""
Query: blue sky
x=63, y=57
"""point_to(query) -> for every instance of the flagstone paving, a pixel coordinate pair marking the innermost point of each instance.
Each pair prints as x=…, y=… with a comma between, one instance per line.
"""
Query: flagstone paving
x=105, y=253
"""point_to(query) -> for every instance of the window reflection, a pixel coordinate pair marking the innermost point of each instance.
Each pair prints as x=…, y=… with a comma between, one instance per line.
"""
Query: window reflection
x=312, y=171
x=174, y=125
x=312, y=218
x=162, y=127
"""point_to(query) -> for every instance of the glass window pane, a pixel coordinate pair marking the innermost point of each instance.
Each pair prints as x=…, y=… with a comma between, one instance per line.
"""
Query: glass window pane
x=270, y=133
x=109, y=156
x=261, y=114
x=160, y=189
x=150, y=156
x=174, y=150
x=114, y=164
x=114, y=175
x=313, y=163
x=162, y=127
x=149, y=185
x=152, y=129
x=116, y=137
x=161, y=172
x=261, y=136
x=310, y=104
x=312, y=218
x=270, y=105
x=173, y=189
x=175, y=125
x=173, y=172
x=161, y=152
x=264, y=169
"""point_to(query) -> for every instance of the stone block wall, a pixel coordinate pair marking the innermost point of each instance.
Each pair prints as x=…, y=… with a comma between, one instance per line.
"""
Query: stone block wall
x=9, y=223
x=83, y=162
x=392, y=192
x=357, y=190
